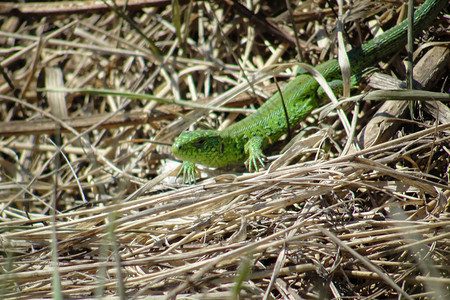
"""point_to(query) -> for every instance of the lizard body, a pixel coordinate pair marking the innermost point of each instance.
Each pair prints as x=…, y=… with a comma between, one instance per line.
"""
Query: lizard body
x=244, y=140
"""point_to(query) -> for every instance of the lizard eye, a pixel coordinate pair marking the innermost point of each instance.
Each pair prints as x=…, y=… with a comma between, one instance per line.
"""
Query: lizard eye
x=200, y=142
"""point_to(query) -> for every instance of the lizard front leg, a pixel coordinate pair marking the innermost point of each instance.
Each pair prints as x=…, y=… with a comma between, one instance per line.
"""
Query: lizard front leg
x=189, y=172
x=253, y=148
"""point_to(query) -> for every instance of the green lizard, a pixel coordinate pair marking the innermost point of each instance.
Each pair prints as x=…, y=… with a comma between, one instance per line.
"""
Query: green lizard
x=245, y=140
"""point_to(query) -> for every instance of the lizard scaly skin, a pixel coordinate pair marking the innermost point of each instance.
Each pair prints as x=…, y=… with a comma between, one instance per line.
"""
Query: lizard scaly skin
x=244, y=140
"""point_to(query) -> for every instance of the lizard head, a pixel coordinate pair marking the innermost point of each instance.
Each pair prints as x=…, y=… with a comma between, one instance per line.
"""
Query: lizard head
x=206, y=147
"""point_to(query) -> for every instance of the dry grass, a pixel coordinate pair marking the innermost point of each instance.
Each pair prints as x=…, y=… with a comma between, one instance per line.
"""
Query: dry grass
x=95, y=216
